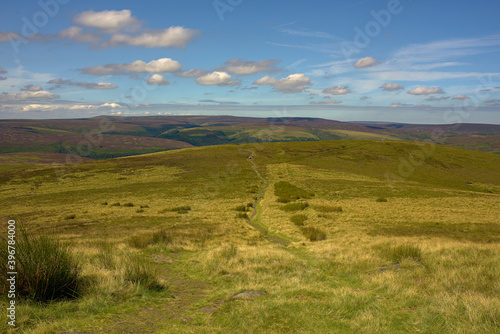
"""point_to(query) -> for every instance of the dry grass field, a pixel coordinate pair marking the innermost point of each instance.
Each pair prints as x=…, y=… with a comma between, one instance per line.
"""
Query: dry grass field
x=381, y=237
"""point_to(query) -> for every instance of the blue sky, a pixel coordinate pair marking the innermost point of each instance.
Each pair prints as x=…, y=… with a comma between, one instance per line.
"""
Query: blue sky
x=407, y=61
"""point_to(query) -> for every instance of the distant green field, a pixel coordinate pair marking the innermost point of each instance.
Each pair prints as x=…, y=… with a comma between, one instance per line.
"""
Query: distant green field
x=423, y=259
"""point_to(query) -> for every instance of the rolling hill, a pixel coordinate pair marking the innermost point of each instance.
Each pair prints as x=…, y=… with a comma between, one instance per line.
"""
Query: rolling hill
x=378, y=236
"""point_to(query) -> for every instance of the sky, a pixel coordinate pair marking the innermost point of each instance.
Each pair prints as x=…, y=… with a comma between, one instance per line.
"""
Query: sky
x=408, y=61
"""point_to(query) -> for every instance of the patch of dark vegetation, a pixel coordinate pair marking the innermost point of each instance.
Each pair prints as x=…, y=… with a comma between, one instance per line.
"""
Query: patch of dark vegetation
x=72, y=216
x=249, y=205
x=313, y=233
x=396, y=254
x=46, y=269
x=381, y=199
x=241, y=208
x=242, y=215
x=287, y=192
x=104, y=203
x=325, y=208
x=129, y=205
x=295, y=206
x=155, y=238
x=182, y=209
x=477, y=232
x=139, y=210
x=144, y=206
x=298, y=219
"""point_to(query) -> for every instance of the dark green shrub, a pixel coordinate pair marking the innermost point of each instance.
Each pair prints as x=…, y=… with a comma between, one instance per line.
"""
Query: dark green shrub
x=313, y=233
x=299, y=219
x=46, y=269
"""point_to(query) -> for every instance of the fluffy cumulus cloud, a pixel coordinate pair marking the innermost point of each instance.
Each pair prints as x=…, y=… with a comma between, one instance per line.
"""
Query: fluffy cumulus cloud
x=216, y=78
x=108, y=21
x=365, y=62
x=426, y=90
x=326, y=102
x=89, y=85
x=240, y=66
x=27, y=96
x=460, y=97
x=293, y=83
x=391, y=86
x=157, y=79
x=173, y=37
x=162, y=65
x=194, y=73
x=113, y=28
x=337, y=90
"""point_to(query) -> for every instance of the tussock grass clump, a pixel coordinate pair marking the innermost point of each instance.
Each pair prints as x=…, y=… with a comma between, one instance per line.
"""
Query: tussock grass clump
x=71, y=216
x=139, y=210
x=105, y=254
x=241, y=208
x=104, y=203
x=228, y=252
x=287, y=192
x=46, y=268
x=381, y=199
x=242, y=215
x=295, y=206
x=144, y=240
x=144, y=206
x=249, y=205
x=129, y=205
x=139, y=272
x=325, y=208
x=298, y=219
x=313, y=233
x=402, y=252
x=161, y=237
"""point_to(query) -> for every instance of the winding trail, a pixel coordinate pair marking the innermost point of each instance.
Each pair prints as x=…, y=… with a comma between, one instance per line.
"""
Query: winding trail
x=259, y=228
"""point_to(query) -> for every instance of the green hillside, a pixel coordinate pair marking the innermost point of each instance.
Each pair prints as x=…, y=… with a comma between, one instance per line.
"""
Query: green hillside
x=349, y=236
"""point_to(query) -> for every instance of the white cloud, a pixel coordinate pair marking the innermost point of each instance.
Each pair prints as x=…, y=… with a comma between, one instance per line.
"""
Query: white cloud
x=293, y=83
x=108, y=21
x=77, y=34
x=391, y=86
x=365, y=62
x=162, y=65
x=27, y=96
x=326, y=102
x=216, y=78
x=241, y=67
x=399, y=104
x=40, y=107
x=433, y=98
x=31, y=88
x=337, y=90
x=158, y=79
x=426, y=90
x=88, y=85
x=194, y=73
x=173, y=37
x=460, y=97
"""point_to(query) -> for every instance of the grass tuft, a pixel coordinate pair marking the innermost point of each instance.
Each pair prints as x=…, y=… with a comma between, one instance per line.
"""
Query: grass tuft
x=129, y=205
x=381, y=199
x=295, y=206
x=46, y=268
x=72, y=216
x=402, y=252
x=139, y=272
x=287, y=192
x=313, y=233
x=241, y=208
x=298, y=219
